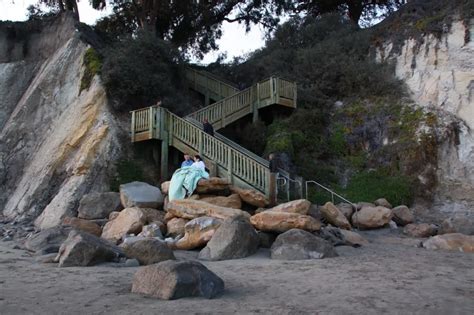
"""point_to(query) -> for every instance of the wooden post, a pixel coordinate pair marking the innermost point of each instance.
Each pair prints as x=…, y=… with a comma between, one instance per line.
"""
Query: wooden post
x=256, y=105
x=272, y=188
x=229, y=164
x=272, y=91
x=294, y=94
x=133, y=126
x=151, y=122
x=277, y=91
x=164, y=143
x=200, y=143
x=299, y=187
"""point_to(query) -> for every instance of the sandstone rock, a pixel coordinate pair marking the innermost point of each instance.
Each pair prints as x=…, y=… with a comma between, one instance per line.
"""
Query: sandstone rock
x=233, y=201
x=148, y=251
x=353, y=238
x=402, y=215
x=195, y=197
x=279, y=222
x=197, y=233
x=363, y=204
x=98, y=205
x=168, y=217
x=451, y=241
x=371, y=217
x=346, y=208
x=463, y=225
x=300, y=206
x=297, y=244
x=165, y=203
x=153, y=215
x=382, y=202
x=190, y=209
x=175, y=227
x=171, y=280
x=334, y=216
x=266, y=239
x=235, y=238
x=84, y=249
x=83, y=225
x=211, y=185
x=153, y=230
x=142, y=195
x=113, y=215
x=420, y=230
x=252, y=197
x=48, y=240
x=165, y=187
x=130, y=220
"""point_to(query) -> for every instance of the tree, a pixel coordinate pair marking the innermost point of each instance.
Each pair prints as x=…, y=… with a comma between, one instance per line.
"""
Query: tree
x=64, y=5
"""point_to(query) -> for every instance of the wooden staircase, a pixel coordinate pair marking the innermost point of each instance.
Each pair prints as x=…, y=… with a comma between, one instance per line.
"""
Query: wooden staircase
x=222, y=156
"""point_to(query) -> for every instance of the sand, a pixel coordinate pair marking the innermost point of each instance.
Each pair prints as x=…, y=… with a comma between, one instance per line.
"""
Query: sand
x=390, y=275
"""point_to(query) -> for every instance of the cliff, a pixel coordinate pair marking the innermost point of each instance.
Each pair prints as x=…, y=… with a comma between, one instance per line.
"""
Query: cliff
x=56, y=143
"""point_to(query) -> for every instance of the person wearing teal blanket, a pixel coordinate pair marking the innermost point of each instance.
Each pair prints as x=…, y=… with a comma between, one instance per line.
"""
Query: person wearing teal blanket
x=184, y=182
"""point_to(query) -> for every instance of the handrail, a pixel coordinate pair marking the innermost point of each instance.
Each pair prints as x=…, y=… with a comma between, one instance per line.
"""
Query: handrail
x=214, y=77
x=205, y=81
x=328, y=190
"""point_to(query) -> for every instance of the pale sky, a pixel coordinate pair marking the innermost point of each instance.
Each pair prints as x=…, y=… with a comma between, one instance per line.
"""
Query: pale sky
x=234, y=41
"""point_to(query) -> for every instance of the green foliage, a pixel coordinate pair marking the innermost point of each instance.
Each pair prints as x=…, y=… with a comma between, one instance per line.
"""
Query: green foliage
x=92, y=66
x=127, y=171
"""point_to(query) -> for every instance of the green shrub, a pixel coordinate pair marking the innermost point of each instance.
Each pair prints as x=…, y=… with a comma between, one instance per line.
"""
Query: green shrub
x=92, y=66
x=126, y=171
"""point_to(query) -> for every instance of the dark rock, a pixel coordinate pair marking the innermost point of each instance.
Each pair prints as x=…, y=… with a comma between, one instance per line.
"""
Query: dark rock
x=297, y=244
x=148, y=251
x=266, y=239
x=172, y=279
x=49, y=240
x=235, y=238
x=84, y=249
x=131, y=263
x=99, y=205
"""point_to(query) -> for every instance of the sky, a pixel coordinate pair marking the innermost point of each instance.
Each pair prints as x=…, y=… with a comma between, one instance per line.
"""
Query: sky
x=15, y=10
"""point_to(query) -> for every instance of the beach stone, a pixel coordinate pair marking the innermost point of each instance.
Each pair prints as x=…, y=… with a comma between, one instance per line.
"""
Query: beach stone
x=141, y=195
x=83, y=225
x=266, y=239
x=148, y=251
x=84, y=249
x=420, y=230
x=172, y=279
x=279, y=222
x=363, y=204
x=191, y=209
x=251, y=197
x=300, y=206
x=113, y=215
x=131, y=263
x=197, y=233
x=175, y=227
x=371, y=217
x=297, y=244
x=353, y=238
x=168, y=216
x=129, y=220
x=153, y=215
x=212, y=185
x=382, y=202
x=233, y=201
x=334, y=216
x=235, y=238
x=153, y=229
x=99, y=205
x=461, y=224
x=346, y=208
x=165, y=187
x=48, y=240
x=451, y=241
x=402, y=215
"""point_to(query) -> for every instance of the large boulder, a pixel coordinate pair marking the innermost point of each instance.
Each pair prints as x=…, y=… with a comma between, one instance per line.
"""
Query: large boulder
x=233, y=201
x=190, y=209
x=420, y=230
x=155, y=229
x=297, y=244
x=463, y=225
x=402, y=215
x=382, y=202
x=83, y=225
x=153, y=215
x=99, y=205
x=362, y=204
x=175, y=227
x=197, y=233
x=353, y=238
x=300, y=206
x=334, y=216
x=212, y=185
x=171, y=280
x=129, y=220
x=346, y=208
x=48, y=240
x=142, y=195
x=235, y=238
x=251, y=197
x=84, y=249
x=339, y=237
x=148, y=251
x=279, y=222
x=371, y=217
x=451, y=241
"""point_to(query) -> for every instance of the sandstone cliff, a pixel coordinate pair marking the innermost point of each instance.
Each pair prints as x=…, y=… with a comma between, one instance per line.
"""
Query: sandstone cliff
x=56, y=143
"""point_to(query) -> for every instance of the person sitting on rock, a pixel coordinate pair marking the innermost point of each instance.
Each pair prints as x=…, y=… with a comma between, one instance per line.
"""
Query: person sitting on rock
x=187, y=161
x=198, y=162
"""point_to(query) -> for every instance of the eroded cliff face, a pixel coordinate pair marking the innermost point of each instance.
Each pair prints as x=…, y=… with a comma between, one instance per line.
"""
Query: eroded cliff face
x=439, y=72
x=56, y=143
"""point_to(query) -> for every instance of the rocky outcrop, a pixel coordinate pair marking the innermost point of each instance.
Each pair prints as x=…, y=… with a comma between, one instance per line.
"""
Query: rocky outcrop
x=279, y=222
x=57, y=143
x=452, y=241
x=171, y=280
x=190, y=209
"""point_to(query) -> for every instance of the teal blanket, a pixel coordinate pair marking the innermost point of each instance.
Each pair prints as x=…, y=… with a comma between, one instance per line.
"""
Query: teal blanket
x=184, y=182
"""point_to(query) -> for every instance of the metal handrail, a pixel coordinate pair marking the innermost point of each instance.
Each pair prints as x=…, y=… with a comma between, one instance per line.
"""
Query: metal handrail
x=328, y=190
